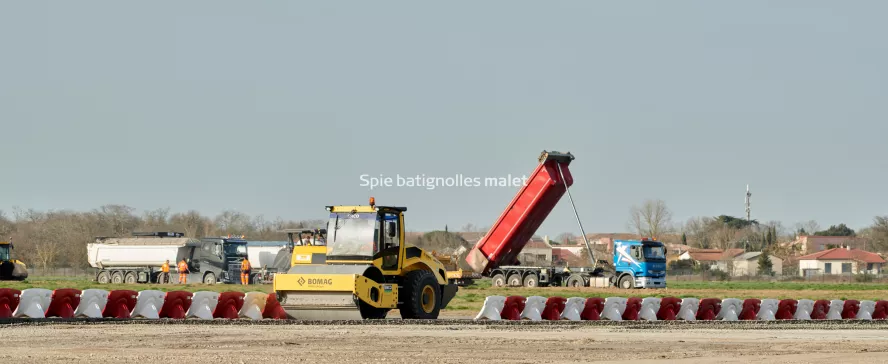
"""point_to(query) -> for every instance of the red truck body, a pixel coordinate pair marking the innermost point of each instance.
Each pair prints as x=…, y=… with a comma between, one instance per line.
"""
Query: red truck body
x=524, y=215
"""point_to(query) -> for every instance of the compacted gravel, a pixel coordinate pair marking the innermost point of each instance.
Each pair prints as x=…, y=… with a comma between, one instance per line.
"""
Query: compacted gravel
x=443, y=341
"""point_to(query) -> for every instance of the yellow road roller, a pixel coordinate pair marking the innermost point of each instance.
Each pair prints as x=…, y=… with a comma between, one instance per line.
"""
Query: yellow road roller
x=365, y=271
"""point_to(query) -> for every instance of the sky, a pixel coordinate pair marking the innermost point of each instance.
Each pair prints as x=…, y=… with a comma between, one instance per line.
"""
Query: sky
x=277, y=108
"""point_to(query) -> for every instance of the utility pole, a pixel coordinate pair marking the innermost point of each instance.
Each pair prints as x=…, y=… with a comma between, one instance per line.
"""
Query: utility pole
x=748, y=194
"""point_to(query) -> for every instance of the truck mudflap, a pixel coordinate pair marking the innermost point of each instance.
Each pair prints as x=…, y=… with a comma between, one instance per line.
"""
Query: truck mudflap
x=650, y=282
x=524, y=214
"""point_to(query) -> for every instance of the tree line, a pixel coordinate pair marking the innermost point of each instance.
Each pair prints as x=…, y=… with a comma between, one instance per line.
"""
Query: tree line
x=57, y=239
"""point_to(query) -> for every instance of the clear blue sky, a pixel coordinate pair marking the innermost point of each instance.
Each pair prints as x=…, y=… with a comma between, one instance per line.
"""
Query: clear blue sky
x=278, y=107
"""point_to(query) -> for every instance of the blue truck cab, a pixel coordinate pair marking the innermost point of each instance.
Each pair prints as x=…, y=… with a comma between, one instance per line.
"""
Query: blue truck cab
x=639, y=264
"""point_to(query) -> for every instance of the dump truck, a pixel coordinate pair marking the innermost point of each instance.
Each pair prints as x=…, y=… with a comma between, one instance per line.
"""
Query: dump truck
x=635, y=263
x=365, y=271
x=138, y=259
x=11, y=269
x=455, y=273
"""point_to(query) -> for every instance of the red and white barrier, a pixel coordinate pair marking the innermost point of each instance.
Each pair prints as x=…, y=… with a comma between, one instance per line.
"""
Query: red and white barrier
x=688, y=310
x=253, y=306
x=730, y=310
x=33, y=303
x=9, y=301
x=649, y=308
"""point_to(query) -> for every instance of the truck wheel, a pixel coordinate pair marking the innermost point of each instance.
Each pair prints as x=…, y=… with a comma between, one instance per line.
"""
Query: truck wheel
x=117, y=278
x=575, y=281
x=422, y=296
x=626, y=282
x=130, y=278
x=104, y=278
x=209, y=278
x=531, y=280
x=163, y=278
x=515, y=280
x=498, y=280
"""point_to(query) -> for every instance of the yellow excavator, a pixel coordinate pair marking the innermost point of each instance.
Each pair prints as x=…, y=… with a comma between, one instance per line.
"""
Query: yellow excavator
x=364, y=271
x=11, y=269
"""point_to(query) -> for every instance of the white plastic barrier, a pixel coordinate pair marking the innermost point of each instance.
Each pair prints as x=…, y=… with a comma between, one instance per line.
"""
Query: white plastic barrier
x=33, y=303
x=202, y=305
x=492, y=309
x=768, y=310
x=573, y=308
x=803, y=309
x=688, y=310
x=649, y=308
x=533, y=308
x=614, y=307
x=148, y=304
x=730, y=309
x=835, y=310
x=92, y=303
x=866, y=310
x=254, y=304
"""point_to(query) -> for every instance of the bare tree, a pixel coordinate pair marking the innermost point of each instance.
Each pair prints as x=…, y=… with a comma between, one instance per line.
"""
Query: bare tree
x=651, y=219
x=809, y=227
x=566, y=238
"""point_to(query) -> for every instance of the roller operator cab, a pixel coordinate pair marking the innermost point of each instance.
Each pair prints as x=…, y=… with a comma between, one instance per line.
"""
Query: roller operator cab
x=364, y=271
x=11, y=269
x=639, y=264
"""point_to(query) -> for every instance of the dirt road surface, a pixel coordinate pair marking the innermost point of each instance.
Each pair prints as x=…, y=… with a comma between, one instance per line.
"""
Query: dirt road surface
x=142, y=343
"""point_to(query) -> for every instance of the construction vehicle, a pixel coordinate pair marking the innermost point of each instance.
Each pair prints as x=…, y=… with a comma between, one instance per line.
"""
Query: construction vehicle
x=138, y=259
x=455, y=273
x=635, y=263
x=271, y=258
x=365, y=270
x=11, y=269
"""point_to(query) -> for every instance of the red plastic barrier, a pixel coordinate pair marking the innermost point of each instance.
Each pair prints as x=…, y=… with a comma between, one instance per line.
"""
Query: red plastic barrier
x=175, y=305
x=750, y=309
x=633, y=307
x=821, y=308
x=512, y=308
x=273, y=309
x=708, y=309
x=786, y=309
x=229, y=305
x=849, y=311
x=554, y=308
x=120, y=303
x=9, y=301
x=64, y=302
x=669, y=307
x=881, y=311
x=592, y=309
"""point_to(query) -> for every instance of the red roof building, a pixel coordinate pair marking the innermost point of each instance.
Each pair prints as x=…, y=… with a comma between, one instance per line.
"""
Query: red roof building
x=841, y=261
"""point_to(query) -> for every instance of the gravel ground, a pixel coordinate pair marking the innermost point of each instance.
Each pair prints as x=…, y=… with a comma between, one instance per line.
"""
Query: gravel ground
x=446, y=342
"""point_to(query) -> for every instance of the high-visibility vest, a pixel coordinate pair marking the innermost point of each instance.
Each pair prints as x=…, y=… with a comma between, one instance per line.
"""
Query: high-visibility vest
x=165, y=268
x=245, y=265
x=183, y=267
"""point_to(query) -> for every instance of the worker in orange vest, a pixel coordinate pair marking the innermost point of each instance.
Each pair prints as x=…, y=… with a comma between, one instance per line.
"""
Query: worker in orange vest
x=183, y=271
x=165, y=269
x=245, y=272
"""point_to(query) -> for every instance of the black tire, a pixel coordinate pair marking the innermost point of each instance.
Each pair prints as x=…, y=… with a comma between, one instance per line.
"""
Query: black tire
x=626, y=282
x=575, y=281
x=117, y=278
x=499, y=280
x=372, y=313
x=163, y=278
x=209, y=278
x=421, y=296
x=103, y=278
x=515, y=280
x=130, y=278
x=531, y=281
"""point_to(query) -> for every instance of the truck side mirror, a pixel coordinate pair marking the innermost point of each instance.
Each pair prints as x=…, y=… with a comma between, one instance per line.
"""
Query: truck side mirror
x=390, y=228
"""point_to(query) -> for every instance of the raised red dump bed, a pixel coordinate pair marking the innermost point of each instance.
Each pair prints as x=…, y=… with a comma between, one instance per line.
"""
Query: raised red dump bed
x=524, y=215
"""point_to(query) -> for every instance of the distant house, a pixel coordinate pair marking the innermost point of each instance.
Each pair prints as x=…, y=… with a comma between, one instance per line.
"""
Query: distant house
x=843, y=260
x=808, y=244
x=746, y=264
x=709, y=257
x=536, y=252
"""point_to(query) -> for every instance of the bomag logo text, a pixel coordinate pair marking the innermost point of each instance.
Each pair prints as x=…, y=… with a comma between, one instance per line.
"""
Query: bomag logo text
x=326, y=281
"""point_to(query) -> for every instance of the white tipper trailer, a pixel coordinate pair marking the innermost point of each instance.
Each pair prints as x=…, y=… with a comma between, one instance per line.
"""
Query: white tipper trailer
x=138, y=259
